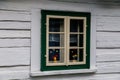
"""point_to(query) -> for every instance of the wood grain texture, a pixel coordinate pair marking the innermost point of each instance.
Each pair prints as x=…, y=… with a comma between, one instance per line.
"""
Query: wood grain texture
x=14, y=68
x=5, y=43
x=14, y=16
x=108, y=39
x=91, y=1
x=15, y=25
x=106, y=11
x=14, y=56
x=108, y=67
x=81, y=77
x=108, y=55
x=108, y=23
x=11, y=75
x=14, y=33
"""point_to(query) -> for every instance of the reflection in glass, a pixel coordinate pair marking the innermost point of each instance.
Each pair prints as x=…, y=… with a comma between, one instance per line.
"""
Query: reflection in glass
x=56, y=25
x=81, y=26
x=76, y=25
x=73, y=55
x=80, y=54
x=76, y=55
x=73, y=39
x=56, y=40
x=81, y=40
x=56, y=55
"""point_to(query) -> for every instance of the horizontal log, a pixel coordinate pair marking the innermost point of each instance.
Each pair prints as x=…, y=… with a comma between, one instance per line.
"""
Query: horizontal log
x=18, y=72
x=109, y=55
x=14, y=16
x=108, y=67
x=108, y=23
x=14, y=56
x=108, y=39
x=81, y=77
x=13, y=71
x=99, y=10
x=14, y=68
x=89, y=1
x=14, y=33
x=14, y=25
x=4, y=43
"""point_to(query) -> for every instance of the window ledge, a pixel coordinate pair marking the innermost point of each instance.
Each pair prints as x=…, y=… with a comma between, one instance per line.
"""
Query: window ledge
x=45, y=73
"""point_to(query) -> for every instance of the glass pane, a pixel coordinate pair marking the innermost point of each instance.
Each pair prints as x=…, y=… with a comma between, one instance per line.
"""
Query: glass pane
x=76, y=25
x=80, y=54
x=81, y=26
x=56, y=55
x=76, y=55
x=81, y=40
x=56, y=40
x=73, y=40
x=73, y=56
x=56, y=25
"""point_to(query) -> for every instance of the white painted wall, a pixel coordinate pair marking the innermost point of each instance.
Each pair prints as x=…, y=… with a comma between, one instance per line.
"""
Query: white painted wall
x=15, y=37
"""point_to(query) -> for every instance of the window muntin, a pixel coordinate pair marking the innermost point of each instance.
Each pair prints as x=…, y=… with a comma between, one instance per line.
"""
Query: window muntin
x=66, y=40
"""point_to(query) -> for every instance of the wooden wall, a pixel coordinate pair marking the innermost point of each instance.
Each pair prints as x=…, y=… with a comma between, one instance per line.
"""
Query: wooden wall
x=14, y=44
x=15, y=29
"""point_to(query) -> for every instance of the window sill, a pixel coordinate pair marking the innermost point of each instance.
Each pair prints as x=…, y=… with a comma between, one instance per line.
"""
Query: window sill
x=45, y=73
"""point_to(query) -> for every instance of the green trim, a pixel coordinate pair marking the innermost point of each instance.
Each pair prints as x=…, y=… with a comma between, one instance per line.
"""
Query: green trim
x=43, y=40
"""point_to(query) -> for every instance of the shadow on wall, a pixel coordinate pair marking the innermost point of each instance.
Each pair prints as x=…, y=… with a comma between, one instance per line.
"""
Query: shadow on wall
x=101, y=3
x=108, y=3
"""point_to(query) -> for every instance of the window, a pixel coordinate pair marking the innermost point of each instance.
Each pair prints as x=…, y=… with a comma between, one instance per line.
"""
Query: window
x=65, y=40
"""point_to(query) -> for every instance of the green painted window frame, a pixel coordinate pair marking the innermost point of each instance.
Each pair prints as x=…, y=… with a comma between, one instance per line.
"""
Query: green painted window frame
x=44, y=13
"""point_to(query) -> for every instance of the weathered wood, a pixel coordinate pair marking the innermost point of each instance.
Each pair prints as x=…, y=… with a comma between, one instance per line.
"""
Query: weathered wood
x=14, y=33
x=81, y=77
x=108, y=23
x=15, y=25
x=107, y=20
x=108, y=67
x=4, y=43
x=105, y=10
x=11, y=75
x=27, y=5
x=14, y=68
x=102, y=2
x=14, y=56
x=108, y=55
x=108, y=39
x=14, y=16
x=18, y=72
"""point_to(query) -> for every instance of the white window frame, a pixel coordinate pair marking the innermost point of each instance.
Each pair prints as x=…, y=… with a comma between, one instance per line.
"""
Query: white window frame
x=66, y=38
x=36, y=46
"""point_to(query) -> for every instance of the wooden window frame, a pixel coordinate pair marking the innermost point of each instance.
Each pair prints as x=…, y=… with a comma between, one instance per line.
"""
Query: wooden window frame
x=47, y=32
x=67, y=15
x=67, y=38
x=36, y=50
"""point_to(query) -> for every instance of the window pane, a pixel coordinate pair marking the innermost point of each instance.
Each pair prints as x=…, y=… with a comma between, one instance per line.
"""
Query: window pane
x=81, y=26
x=80, y=54
x=76, y=25
x=81, y=40
x=76, y=55
x=56, y=55
x=56, y=25
x=56, y=40
x=73, y=56
x=73, y=40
